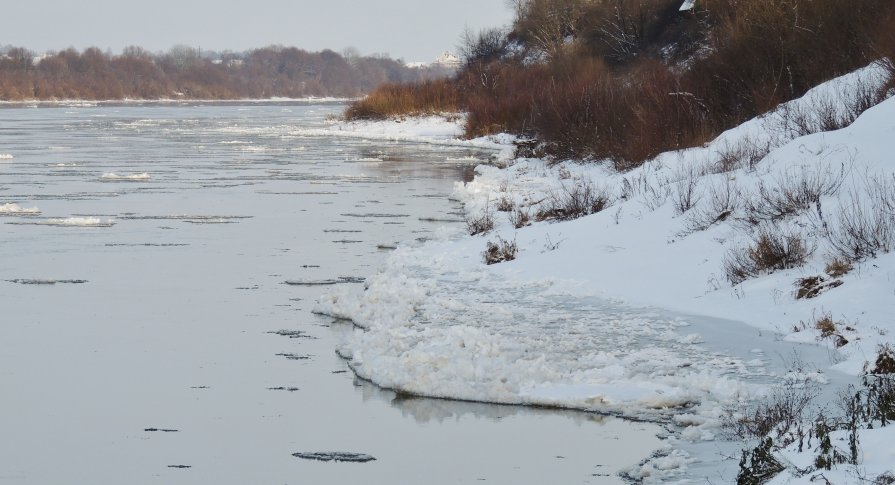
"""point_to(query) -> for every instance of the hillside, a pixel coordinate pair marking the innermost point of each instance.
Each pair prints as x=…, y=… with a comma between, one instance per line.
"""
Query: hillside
x=644, y=293
x=625, y=81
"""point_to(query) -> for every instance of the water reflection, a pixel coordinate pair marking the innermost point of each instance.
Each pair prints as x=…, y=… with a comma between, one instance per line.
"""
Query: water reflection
x=425, y=410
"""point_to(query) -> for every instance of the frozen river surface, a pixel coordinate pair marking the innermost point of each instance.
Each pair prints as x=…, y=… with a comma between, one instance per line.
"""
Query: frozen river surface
x=148, y=333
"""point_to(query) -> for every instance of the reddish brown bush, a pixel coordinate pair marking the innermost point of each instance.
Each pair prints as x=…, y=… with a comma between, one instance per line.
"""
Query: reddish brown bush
x=430, y=97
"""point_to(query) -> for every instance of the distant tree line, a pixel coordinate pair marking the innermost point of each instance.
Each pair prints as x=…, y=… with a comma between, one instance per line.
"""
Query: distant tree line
x=188, y=73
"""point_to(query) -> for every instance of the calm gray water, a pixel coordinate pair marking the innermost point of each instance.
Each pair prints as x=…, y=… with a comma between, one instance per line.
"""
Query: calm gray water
x=170, y=349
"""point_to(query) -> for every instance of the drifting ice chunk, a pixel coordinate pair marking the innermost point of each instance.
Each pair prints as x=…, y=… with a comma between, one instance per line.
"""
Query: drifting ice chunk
x=16, y=209
x=133, y=177
x=335, y=456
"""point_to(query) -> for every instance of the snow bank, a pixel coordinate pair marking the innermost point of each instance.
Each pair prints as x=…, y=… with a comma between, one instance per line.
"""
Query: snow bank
x=588, y=315
x=645, y=252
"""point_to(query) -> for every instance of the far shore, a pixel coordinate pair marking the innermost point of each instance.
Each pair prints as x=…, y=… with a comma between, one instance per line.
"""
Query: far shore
x=170, y=101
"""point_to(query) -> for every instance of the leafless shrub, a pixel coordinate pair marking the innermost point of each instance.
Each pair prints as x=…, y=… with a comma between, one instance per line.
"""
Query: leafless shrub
x=634, y=186
x=549, y=245
x=885, y=361
x=504, y=205
x=830, y=112
x=879, y=385
x=771, y=250
x=481, y=223
x=866, y=226
x=655, y=195
x=519, y=218
x=745, y=154
x=887, y=478
x=485, y=46
x=500, y=251
x=782, y=415
x=793, y=194
x=723, y=202
x=574, y=201
x=687, y=193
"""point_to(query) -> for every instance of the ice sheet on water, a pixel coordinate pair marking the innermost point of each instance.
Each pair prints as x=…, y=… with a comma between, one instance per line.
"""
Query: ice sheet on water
x=335, y=456
x=32, y=281
x=194, y=218
x=327, y=282
x=469, y=334
x=11, y=209
x=68, y=222
x=136, y=177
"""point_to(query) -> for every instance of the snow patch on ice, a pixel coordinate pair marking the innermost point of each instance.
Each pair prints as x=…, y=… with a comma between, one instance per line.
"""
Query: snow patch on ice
x=434, y=130
x=69, y=222
x=17, y=210
x=137, y=177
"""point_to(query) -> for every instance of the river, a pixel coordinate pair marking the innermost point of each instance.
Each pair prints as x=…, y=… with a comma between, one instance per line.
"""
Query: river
x=158, y=265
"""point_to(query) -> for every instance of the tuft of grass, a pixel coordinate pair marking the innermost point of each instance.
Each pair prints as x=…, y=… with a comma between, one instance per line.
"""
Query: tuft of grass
x=771, y=250
x=519, y=218
x=837, y=267
x=866, y=226
x=481, y=223
x=573, y=201
x=826, y=325
x=500, y=251
x=794, y=193
x=504, y=205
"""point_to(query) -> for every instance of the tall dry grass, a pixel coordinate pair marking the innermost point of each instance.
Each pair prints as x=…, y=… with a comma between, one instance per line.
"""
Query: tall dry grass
x=393, y=99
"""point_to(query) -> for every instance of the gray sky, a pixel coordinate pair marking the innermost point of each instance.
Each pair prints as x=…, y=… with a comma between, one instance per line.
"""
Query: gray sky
x=414, y=30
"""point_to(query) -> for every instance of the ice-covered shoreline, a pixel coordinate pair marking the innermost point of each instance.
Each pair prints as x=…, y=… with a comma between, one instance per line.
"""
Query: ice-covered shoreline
x=87, y=103
x=432, y=130
x=434, y=323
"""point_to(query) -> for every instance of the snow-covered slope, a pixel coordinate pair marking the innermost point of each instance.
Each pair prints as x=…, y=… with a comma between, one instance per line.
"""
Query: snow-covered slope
x=630, y=310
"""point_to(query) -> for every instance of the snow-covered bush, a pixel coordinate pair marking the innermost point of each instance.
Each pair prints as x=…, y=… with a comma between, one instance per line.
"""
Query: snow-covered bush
x=500, y=251
x=480, y=223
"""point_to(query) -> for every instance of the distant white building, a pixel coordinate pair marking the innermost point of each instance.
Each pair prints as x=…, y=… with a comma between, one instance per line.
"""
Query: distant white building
x=447, y=59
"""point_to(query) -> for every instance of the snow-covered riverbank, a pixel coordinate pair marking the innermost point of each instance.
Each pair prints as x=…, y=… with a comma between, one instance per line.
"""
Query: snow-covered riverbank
x=593, y=312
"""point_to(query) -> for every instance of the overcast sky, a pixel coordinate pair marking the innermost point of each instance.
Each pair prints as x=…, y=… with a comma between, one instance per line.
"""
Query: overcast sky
x=413, y=30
